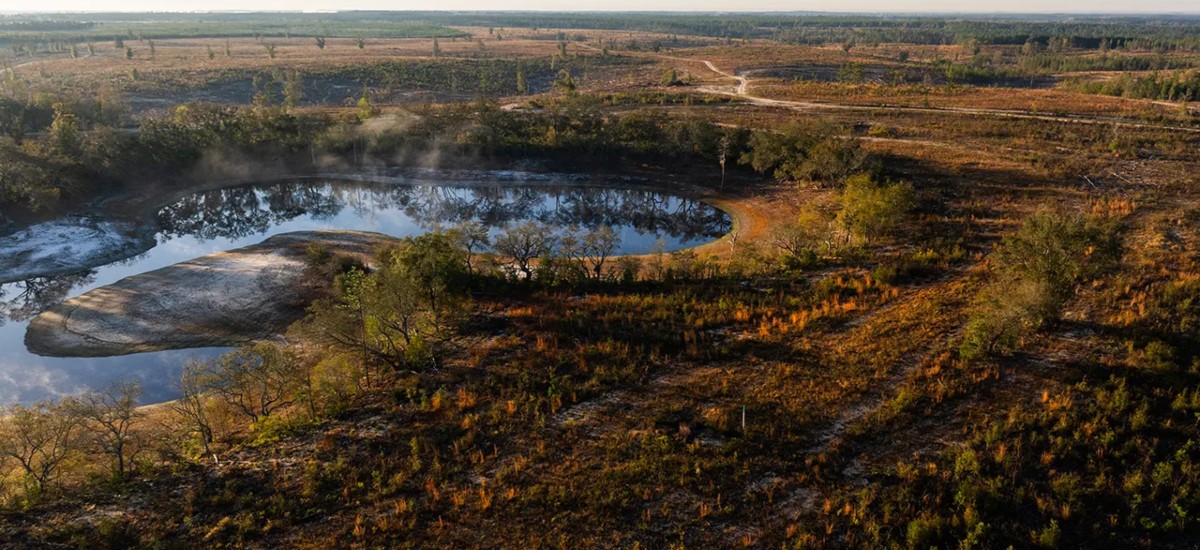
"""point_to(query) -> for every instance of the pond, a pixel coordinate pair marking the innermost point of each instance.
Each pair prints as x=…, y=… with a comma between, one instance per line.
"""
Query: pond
x=213, y=221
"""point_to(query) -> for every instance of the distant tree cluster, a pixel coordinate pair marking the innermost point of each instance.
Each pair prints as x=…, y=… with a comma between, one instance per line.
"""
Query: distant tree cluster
x=807, y=151
x=1169, y=86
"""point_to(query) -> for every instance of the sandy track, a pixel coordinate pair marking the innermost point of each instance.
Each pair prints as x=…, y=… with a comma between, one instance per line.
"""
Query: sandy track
x=742, y=90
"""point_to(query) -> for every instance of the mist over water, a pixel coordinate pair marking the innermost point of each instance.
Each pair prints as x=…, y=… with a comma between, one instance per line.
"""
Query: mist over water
x=213, y=221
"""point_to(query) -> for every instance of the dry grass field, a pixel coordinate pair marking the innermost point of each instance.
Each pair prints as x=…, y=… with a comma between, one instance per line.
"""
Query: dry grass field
x=750, y=392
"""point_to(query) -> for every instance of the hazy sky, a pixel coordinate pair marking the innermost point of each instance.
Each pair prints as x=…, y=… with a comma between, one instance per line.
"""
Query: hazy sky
x=891, y=6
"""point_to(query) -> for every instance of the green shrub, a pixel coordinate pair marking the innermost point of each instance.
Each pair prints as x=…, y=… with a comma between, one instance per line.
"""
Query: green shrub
x=1035, y=271
x=872, y=209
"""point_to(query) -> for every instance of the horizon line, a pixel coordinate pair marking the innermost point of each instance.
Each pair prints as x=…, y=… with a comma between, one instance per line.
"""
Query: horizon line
x=620, y=11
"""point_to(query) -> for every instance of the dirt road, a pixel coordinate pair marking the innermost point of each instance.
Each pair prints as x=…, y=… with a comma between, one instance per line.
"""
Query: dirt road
x=742, y=90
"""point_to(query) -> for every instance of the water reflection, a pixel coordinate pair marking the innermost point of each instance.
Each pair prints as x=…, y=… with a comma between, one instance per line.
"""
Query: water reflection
x=240, y=211
x=33, y=296
x=214, y=221
x=239, y=216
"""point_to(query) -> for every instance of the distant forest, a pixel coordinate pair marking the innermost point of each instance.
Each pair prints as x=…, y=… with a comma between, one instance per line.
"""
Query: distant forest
x=1164, y=33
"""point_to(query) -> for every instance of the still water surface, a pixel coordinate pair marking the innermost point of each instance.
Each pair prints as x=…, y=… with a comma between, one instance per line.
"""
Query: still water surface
x=224, y=219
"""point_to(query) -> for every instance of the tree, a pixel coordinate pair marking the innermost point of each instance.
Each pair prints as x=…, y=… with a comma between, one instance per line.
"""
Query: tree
x=851, y=73
x=471, y=237
x=128, y=53
x=601, y=244
x=805, y=235
x=779, y=152
x=437, y=49
x=401, y=313
x=1004, y=313
x=1059, y=249
x=263, y=95
x=565, y=83
x=40, y=439
x=342, y=319
x=108, y=416
x=523, y=242
x=572, y=252
x=872, y=209
x=256, y=380
x=670, y=77
x=64, y=132
x=434, y=265
x=834, y=159
x=723, y=149
x=362, y=44
x=365, y=108
x=320, y=42
x=118, y=43
x=192, y=405
x=293, y=90
x=1031, y=47
x=522, y=85
x=1034, y=272
x=14, y=119
x=592, y=250
x=806, y=151
x=152, y=50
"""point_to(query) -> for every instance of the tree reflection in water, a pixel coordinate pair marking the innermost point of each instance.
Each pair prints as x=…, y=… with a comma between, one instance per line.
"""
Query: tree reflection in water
x=242, y=211
x=239, y=216
x=22, y=301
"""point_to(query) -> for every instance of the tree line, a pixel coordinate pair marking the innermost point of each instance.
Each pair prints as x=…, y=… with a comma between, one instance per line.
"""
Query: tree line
x=73, y=150
x=1169, y=86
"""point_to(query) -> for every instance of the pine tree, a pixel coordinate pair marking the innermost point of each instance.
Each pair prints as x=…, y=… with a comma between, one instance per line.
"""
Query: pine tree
x=365, y=108
x=64, y=132
x=293, y=90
